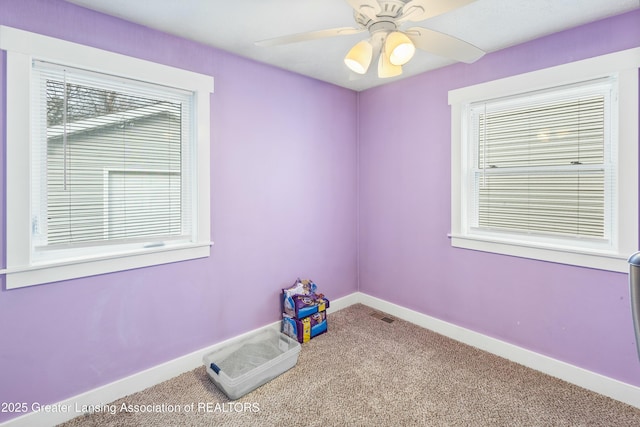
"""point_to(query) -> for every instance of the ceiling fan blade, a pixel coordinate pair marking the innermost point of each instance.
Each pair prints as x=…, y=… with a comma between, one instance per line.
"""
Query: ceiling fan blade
x=368, y=8
x=419, y=10
x=444, y=45
x=312, y=35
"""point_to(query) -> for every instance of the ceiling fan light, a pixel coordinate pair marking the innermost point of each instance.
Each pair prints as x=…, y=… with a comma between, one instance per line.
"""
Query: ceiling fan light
x=400, y=48
x=359, y=57
x=386, y=68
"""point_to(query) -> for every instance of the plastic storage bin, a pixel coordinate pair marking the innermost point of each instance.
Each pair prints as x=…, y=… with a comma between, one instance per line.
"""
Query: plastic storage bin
x=251, y=362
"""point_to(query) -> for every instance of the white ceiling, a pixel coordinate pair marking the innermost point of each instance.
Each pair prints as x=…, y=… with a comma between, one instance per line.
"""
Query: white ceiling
x=235, y=25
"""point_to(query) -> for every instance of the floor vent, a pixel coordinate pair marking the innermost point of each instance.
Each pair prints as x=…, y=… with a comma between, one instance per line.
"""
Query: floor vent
x=382, y=316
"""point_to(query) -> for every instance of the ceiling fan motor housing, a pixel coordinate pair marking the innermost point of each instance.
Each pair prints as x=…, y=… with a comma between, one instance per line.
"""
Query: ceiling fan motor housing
x=390, y=10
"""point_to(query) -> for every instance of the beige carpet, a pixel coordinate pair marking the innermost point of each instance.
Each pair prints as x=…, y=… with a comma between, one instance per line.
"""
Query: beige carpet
x=367, y=372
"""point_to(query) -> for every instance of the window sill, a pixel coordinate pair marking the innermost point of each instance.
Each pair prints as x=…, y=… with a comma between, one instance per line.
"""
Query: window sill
x=601, y=260
x=37, y=274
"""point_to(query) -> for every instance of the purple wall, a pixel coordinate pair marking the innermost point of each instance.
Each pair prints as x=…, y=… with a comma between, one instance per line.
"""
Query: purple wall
x=283, y=203
x=578, y=315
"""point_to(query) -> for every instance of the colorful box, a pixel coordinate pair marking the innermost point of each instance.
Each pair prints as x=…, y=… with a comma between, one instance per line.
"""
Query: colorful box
x=303, y=305
x=304, y=311
x=306, y=328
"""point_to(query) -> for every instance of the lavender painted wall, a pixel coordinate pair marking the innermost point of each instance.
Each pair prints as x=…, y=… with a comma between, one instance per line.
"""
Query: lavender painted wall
x=578, y=315
x=283, y=202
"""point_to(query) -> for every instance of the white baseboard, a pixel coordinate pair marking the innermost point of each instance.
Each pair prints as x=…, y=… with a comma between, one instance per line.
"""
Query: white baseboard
x=589, y=380
x=103, y=395
x=139, y=381
x=344, y=302
x=108, y=393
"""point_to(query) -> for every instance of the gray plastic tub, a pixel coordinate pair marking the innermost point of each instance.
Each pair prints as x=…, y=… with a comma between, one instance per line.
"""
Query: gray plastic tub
x=247, y=364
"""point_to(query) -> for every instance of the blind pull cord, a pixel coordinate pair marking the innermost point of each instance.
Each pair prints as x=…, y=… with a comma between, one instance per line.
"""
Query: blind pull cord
x=64, y=133
x=484, y=147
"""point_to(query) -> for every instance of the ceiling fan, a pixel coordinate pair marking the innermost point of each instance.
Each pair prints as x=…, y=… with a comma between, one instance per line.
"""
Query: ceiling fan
x=393, y=46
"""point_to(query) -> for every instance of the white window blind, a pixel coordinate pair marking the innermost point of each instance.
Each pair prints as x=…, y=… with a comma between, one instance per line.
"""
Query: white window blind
x=541, y=163
x=111, y=160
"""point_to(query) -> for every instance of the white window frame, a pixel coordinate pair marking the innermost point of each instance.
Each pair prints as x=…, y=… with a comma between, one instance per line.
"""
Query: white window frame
x=22, y=48
x=623, y=66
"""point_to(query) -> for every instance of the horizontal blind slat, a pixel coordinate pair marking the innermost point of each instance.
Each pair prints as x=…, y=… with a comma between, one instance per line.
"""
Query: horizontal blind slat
x=557, y=133
x=553, y=203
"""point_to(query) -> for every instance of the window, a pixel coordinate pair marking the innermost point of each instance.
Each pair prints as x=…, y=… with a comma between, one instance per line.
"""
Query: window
x=116, y=151
x=541, y=164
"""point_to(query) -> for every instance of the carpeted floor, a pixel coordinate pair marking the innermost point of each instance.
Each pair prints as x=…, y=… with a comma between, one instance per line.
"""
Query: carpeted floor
x=367, y=372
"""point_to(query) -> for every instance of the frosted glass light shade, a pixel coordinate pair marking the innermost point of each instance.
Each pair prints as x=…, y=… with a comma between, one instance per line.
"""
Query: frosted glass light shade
x=386, y=68
x=359, y=57
x=400, y=48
